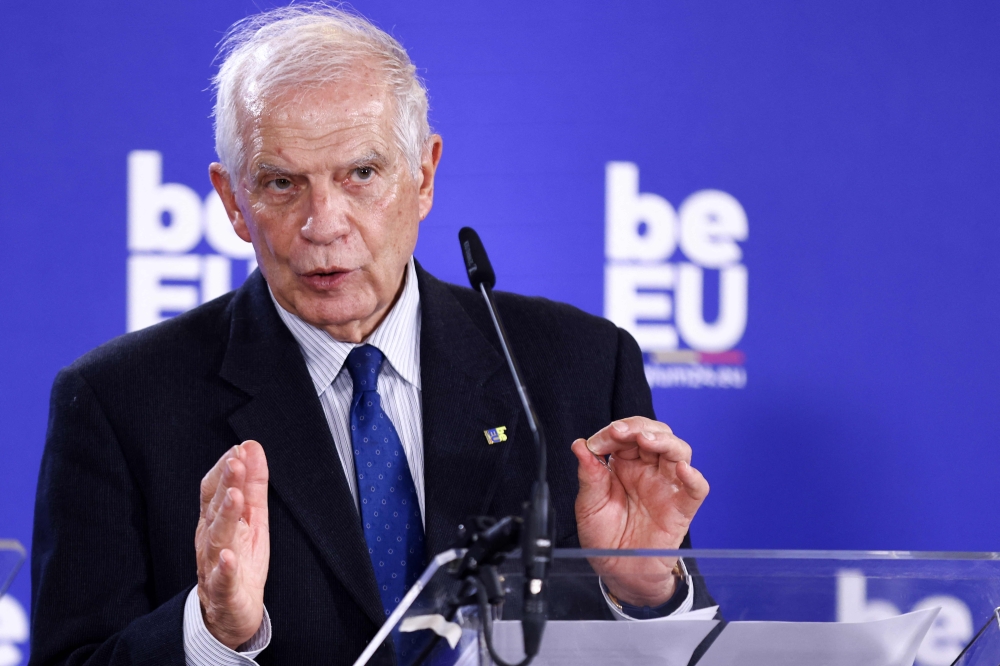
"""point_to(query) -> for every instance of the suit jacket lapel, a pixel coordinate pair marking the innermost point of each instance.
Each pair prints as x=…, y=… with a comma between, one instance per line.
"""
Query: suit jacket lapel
x=465, y=391
x=283, y=413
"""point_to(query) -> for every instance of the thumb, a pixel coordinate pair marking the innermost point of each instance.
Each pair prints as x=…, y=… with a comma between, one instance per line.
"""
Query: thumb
x=252, y=455
x=255, y=488
x=595, y=479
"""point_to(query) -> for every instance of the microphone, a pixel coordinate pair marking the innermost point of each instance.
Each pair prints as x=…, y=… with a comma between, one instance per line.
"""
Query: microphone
x=537, y=532
x=477, y=264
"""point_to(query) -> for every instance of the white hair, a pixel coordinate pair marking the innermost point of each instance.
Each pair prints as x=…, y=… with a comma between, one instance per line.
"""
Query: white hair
x=303, y=47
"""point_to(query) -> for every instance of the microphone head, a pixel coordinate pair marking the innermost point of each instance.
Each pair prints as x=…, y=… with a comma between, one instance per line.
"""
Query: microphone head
x=477, y=264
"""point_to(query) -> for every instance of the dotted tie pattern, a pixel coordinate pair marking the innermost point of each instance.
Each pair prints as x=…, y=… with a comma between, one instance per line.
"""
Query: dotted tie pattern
x=390, y=512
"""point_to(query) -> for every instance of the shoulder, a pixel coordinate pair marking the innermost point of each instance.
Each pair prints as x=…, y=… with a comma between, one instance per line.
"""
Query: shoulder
x=571, y=359
x=546, y=318
x=539, y=321
x=186, y=343
x=539, y=326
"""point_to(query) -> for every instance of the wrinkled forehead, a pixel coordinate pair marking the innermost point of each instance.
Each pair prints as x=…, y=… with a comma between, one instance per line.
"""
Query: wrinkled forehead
x=358, y=99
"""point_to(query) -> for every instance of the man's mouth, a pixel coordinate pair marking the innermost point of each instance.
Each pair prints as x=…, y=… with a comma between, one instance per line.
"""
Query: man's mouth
x=325, y=278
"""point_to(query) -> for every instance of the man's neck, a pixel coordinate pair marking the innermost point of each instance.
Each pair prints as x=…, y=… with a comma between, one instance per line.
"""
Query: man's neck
x=357, y=332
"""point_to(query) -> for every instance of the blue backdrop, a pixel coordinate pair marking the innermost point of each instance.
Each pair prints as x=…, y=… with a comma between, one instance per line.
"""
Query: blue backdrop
x=854, y=406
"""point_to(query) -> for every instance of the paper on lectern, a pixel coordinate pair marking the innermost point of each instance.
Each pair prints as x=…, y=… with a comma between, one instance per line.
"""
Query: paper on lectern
x=890, y=642
x=608, y=643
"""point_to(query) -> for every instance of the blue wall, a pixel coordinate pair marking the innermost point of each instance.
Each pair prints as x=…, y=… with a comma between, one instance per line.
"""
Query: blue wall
x=861, y=140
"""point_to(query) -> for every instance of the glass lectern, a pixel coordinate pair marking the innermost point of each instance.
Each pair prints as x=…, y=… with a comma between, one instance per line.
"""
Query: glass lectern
x=794, y=608
x=11, y=558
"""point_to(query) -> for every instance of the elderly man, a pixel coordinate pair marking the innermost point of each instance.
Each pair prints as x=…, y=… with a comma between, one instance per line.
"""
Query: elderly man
x=339, y=382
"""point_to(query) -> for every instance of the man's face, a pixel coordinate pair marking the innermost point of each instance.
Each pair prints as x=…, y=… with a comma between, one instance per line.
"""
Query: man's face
x=330, y=204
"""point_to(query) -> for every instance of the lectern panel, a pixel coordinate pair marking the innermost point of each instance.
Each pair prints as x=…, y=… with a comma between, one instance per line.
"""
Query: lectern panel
x=727, y=608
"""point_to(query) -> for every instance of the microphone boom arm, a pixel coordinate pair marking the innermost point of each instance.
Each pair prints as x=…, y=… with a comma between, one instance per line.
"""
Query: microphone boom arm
x=522, y=391
x=538, y=530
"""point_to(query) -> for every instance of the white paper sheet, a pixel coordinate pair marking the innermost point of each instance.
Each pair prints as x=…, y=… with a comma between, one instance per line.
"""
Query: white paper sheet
x=607, y=643
x=450, y=631
x=700, y=614
x=891, y=642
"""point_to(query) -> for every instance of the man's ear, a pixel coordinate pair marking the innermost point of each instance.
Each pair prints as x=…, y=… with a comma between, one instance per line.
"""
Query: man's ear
x=220, y=181
x=428, y=167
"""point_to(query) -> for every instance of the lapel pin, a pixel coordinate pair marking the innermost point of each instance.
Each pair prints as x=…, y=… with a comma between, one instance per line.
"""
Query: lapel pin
x=496, y=435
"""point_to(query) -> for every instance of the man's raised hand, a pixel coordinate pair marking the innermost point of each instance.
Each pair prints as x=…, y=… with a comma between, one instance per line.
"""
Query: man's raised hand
x=646, y=500
x=233, y=545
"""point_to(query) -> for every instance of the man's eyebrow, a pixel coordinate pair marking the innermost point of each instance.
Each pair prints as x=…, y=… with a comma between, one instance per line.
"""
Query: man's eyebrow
x=270, y=169
x=371, y=158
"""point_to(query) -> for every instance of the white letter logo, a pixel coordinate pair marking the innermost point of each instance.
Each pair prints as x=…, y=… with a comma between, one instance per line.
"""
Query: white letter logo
x=167, y=274
x=732, y=320
x=13, y=630
x=149, y=199
x=660, y=299
x=943, y=642
x=638, y=226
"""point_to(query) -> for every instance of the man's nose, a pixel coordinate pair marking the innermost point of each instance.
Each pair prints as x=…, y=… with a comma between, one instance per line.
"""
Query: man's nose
x=329, y=217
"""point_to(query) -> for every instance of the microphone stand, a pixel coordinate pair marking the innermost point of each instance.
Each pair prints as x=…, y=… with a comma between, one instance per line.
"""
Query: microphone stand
x=490, y=541
x=536, y=542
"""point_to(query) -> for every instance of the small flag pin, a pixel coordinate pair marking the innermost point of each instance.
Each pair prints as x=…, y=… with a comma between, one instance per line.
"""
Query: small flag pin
x=496, y=435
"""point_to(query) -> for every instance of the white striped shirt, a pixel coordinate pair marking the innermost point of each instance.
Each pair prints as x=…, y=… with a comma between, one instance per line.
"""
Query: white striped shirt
x=398, y=338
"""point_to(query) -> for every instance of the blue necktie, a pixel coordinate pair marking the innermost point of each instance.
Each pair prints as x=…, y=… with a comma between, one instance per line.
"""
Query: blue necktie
x=390, y=513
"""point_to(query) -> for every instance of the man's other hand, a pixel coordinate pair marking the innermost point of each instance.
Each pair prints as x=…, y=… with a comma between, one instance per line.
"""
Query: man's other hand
x=233, y=544
x=646, y=500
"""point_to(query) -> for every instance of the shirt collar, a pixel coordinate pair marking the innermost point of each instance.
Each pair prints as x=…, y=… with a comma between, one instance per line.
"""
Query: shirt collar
x=397, y=337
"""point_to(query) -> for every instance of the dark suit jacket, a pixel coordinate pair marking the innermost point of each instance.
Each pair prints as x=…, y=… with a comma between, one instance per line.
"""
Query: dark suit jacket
x=136, y=423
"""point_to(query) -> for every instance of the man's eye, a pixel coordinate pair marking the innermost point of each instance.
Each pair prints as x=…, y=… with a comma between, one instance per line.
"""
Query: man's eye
x=364, y=174
x=280, y=184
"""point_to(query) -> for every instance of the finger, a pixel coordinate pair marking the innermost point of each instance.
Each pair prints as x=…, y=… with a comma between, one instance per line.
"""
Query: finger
x=647, y=454
x=233, y=476
x=664, y=445
x=595, y=479
x=695, y=484
x=210, y=482
x=624, y=431
x=222, y=531
x=591, y=470
x=636, y=424
x=255, y=484
x=653, y=438
x=224, y=579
